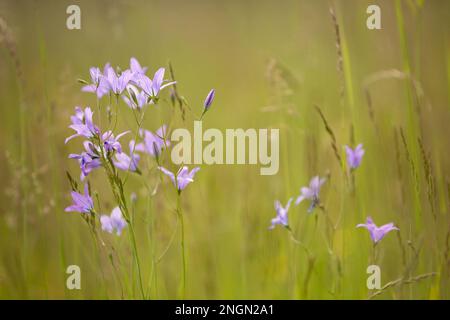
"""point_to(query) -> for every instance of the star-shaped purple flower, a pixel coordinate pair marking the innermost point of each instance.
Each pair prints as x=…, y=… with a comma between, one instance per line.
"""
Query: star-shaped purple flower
x=112, y=143
x=125, y=162
x=152, y=87
x=88, y=160
x=99, y=84
x=114, y=221
x=137, y=99
x=354, y=157
x=117, y=83
x=136, y=68
x=182, y=178
x=311, y=192
x=377, y=233
x=282, y=214
x=81, y=202
x=82, y=124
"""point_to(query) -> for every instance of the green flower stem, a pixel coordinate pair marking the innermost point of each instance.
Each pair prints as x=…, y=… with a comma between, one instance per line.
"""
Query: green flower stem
x=183, y=251
x=117, y=188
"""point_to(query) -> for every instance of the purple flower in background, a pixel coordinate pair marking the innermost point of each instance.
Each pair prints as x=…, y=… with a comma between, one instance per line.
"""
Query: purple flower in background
x=117, y=83
x=140, y=96
x=88, y=160
x=282, y=214
x=114, y=221
x=153, y=143
x=112, y=143
x=82, y=124
x=354, y=157
x=311, y=192
x=377, y=233
x=81, y=202
x=99, y=84
x=125, y=162
x=183, y=176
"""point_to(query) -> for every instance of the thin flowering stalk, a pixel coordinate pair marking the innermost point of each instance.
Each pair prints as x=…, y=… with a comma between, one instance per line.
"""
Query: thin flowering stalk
x=282, y=220
x=118, y=192
x=183, y=250
x=181, y=180
x=311, y=261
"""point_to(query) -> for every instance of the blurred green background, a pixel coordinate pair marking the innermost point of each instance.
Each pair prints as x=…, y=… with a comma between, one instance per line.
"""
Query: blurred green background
x=270, y=62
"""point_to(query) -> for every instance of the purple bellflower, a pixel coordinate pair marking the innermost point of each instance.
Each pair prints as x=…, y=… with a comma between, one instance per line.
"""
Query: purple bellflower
x=125, y=162
x=153, y=143
x=354, y=157
x=136, y=68
x=282, y=215
x=152, y=87
x=81, y=202
x=112, y=143
x=99, y=84
x=88, y=160
x=137, y=99
x=377, y=233
x=182, y=178
x=82, y=124
x=114, y=221
x=311, y=192
x=116, y=83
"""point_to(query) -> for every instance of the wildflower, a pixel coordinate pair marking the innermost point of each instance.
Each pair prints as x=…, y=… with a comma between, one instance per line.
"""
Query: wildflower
x=182, y=178
x=311, y=192
x=117, y=84
x=112, y=143
x=354, y=157
x=82, y=124
x=158, y=79
x=208, y=101
x=137, y=99
x=153, y=143
x=88, y=160
x=282, y=214
x=98, y=85
x=81, y=202
x=377, y=233
x=136, y=68
x=114, y=221
x=125, y=162
x=152, y=87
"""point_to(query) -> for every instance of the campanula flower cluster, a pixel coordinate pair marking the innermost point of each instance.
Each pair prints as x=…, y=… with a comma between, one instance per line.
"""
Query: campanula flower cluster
x=103, y=147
